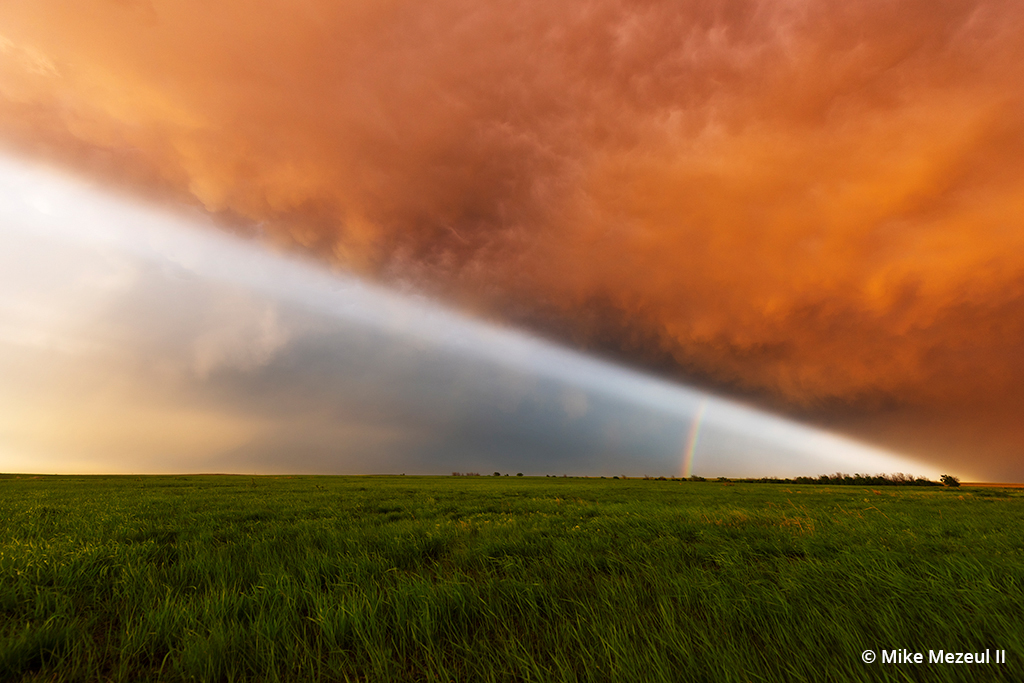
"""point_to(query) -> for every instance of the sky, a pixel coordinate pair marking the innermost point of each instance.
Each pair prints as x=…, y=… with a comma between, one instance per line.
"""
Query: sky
x=810, y=207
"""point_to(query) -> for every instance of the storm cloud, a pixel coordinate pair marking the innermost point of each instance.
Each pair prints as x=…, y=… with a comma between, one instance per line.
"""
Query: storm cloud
x=810, y=205
x=134, y=340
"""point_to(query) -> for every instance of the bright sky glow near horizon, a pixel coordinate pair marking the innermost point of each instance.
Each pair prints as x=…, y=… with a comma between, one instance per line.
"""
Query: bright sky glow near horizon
x=134, y=340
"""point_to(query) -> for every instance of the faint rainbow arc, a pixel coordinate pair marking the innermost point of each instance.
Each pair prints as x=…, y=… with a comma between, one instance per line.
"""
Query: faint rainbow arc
x=691, y=439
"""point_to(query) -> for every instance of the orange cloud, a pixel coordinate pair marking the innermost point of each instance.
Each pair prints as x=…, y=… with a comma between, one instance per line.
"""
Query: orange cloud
x=815, y=205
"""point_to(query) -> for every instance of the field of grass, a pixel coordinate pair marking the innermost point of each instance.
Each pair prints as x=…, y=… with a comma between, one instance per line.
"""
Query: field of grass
x=223, y=578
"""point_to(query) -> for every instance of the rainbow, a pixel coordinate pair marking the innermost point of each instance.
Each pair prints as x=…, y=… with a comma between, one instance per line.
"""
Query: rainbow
x=691, y=439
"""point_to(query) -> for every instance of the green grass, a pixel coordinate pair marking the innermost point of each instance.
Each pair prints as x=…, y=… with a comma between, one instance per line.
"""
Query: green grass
x=218, y=578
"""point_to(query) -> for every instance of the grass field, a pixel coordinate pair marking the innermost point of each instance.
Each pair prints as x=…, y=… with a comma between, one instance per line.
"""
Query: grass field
x=224, y=578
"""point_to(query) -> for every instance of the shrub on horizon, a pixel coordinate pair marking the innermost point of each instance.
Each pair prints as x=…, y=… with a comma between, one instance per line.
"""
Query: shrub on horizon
x=950, y=481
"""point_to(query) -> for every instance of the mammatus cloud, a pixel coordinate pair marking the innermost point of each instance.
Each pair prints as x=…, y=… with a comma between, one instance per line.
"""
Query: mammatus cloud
x=814, y=204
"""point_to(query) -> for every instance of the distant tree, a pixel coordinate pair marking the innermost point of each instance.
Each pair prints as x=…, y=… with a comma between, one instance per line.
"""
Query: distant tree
x=519, y=474
x=950, y=481
x=497, y=474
